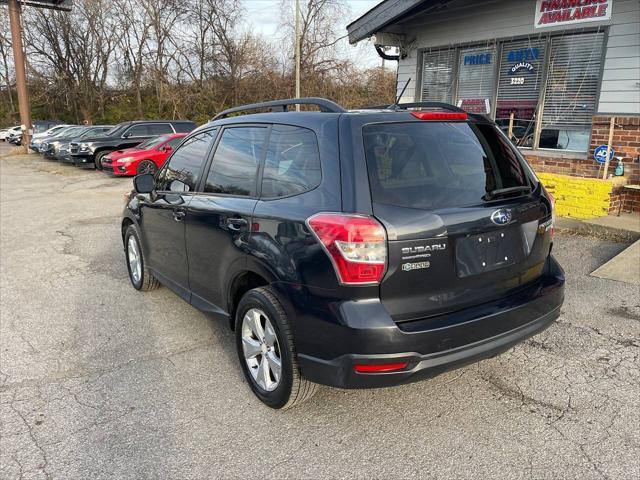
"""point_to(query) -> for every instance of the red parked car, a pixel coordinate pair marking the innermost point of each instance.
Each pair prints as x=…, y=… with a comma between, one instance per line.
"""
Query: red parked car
x=147, y=157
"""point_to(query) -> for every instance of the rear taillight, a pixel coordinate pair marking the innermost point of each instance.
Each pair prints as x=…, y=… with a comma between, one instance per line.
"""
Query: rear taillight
x=552, y=201
x=440, y=116
x=356, y=244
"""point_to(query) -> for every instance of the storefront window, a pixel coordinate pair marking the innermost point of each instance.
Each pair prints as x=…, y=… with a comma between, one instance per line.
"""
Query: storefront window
x=476, y=79
x=437, y=75
x=519, y=88
x=571, y=91
x=560, y=71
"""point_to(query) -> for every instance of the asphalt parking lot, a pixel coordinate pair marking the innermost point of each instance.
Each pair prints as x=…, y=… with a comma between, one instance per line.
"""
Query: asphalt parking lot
x=98, y=380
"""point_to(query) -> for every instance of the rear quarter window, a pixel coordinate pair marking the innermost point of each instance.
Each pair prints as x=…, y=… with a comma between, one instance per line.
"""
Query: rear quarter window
x=435, y=165
x=292, y=163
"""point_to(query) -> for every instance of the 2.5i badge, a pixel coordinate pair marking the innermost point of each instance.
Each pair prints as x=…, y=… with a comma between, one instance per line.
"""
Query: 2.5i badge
x=407, y=267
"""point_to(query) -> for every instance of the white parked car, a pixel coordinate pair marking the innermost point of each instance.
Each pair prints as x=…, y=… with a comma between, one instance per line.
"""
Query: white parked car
x=4, y=134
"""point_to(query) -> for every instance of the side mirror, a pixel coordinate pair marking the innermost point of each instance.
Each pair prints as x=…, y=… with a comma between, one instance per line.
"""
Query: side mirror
x=126, y=135
x=144, y=183
x=167, y=148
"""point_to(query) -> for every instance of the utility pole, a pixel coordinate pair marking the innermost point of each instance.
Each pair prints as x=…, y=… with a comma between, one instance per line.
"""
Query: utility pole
x=297, y=52
x=21, y=78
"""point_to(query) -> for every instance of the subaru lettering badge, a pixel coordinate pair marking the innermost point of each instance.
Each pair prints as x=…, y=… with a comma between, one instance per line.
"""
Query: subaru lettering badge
x=501, y=217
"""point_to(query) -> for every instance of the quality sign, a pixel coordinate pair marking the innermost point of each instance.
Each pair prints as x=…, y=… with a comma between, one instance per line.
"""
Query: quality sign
x=553, y=13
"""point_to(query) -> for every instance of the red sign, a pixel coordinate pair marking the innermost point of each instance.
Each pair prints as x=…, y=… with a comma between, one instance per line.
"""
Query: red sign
x=550, y=13
x=475, y=105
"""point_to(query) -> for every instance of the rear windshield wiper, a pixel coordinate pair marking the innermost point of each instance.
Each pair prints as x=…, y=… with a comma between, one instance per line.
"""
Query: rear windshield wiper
x=506, y=191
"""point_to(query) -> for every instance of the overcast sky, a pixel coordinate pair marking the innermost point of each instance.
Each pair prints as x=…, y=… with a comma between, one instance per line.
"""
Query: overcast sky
x=264, y=15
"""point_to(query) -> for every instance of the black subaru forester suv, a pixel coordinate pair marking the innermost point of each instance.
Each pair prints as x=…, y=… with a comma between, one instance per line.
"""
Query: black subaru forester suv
x=350, y=248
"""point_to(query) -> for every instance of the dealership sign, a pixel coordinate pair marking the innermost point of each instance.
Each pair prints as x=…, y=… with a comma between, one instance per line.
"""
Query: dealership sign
x=551, y=13
x=475, y=105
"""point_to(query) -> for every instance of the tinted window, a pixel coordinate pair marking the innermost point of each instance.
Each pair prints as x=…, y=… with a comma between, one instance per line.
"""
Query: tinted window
x=439, y=165
x=182, y=172
x=184, y=127
x=158, y=128
x=292, y=164
x=137, y=131
x=173, y=143
x=235, y=163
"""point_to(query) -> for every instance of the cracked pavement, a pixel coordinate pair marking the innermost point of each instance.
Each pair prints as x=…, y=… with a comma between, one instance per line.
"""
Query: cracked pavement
x=98, y=380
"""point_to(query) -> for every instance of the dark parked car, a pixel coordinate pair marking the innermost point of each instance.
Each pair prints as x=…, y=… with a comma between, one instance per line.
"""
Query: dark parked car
x=49, y=145
x=62, y=149
x=352, y=249
x=90, y=151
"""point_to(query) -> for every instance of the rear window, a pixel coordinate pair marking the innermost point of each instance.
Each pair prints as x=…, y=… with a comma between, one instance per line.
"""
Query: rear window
x=435, y=165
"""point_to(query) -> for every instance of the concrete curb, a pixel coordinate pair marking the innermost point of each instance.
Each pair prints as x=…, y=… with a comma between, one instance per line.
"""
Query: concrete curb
x=571, y=225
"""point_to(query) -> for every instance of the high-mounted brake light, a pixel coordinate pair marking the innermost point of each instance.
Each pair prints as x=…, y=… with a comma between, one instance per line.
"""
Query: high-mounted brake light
x=441, y=116
x=356, y=244
x=380, y=367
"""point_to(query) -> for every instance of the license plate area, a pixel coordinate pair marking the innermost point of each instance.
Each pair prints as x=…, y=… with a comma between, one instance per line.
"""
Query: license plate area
x=485, y=252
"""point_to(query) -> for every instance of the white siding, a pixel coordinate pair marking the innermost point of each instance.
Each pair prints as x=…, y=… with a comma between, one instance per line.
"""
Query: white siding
x=620, y=89
x=469, y=21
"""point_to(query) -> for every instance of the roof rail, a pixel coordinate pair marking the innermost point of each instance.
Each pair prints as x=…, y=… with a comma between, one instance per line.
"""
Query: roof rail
x=324, y=105
x=405, y=106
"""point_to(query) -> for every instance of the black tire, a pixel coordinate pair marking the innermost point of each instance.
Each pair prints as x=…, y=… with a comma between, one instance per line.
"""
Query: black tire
x=98, y=158
x=146, y=281
x=292, y=389
x=146, y=166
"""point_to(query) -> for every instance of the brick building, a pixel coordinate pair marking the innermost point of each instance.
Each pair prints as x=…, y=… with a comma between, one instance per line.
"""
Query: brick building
x=551, y=73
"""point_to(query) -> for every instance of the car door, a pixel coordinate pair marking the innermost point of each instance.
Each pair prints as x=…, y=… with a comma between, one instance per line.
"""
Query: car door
x=163, y=212
x=219, y=218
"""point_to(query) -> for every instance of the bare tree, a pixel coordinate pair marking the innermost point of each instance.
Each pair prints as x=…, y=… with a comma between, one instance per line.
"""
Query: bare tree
x=74, y=52
x=133, y=44
x=5, y=53
x=112, y=60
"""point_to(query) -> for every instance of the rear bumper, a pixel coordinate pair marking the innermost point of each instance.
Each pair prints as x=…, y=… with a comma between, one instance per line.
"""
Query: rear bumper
x=365, y=336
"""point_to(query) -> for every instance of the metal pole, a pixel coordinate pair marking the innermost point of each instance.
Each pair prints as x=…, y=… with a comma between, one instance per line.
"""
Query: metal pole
x=606, y=163
x=21, y=78
x=297, y=52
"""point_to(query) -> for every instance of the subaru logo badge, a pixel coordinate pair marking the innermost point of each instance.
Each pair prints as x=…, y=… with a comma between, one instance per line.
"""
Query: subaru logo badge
x=501, y=217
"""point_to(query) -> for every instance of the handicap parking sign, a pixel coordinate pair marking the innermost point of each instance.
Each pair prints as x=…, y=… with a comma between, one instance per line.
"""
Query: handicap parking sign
x=600, y=154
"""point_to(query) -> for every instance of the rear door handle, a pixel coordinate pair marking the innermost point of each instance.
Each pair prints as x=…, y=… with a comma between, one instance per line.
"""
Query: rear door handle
x=236, y=223
x=179, y=214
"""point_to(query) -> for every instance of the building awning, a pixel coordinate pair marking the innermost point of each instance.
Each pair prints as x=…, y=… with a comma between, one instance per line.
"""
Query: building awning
x=386, y=13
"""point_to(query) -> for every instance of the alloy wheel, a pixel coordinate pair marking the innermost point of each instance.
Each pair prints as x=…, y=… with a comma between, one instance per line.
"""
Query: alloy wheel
x=261, y=349
x=147, y=167
x=135, y=263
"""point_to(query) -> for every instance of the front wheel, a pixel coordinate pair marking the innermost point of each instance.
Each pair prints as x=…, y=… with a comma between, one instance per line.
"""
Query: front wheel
x=140, y=276
x=147, y=166
x=266, y=351
x=98, y=159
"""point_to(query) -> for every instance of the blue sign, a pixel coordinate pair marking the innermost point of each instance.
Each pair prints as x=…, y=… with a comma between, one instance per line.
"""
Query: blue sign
x=523, y=55
x=600, y=154
x=479, y=59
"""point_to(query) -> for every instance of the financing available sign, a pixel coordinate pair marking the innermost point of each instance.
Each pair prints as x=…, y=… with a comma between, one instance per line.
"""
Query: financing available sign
x=553, y=13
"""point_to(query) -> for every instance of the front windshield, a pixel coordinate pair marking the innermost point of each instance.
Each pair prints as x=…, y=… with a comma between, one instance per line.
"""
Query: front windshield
x=73, y=131
x=152, y=143
x=54, y=130
x=96, y=131
x=63, y=132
